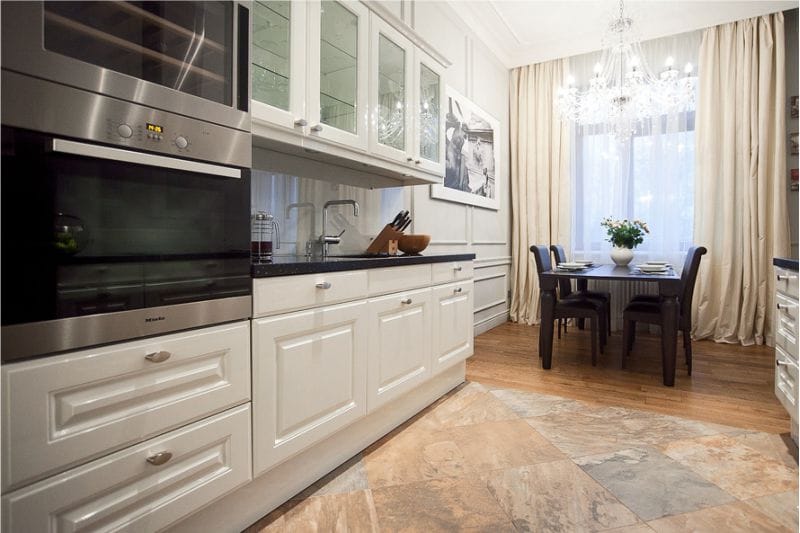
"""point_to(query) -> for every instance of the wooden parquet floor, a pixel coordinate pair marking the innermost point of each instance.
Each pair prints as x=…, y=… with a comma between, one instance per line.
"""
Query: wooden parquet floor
x=730, y=384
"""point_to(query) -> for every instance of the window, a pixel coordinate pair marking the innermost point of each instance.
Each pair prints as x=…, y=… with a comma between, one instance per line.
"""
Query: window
x=648, y=177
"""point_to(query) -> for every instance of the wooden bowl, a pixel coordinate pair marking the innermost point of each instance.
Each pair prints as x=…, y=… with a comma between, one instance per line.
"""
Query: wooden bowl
x=413, y=244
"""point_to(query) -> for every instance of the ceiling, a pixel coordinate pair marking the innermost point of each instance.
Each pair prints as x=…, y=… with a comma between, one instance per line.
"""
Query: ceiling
x=525, y=32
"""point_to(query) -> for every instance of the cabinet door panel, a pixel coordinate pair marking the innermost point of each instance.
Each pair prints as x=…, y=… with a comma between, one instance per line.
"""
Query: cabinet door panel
x=786, y=388
x=452, y=324
x=309, y=379
x=428, y=125
x=338, y=53
x=131, y=491
x=279, y=62
x=400, y=345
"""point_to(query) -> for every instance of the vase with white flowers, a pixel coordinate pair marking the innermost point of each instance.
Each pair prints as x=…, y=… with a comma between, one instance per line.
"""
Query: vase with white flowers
x=625, y=236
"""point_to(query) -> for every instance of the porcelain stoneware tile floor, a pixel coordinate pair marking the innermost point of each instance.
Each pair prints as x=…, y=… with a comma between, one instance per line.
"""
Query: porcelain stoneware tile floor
x=488, y=459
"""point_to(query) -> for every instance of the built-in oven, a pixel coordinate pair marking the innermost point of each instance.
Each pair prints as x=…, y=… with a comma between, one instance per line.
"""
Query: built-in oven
x=102, y=244
x=188, y=58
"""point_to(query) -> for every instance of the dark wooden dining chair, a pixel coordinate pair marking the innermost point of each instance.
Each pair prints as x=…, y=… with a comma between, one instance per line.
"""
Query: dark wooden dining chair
x=649, y=312
x=565, y=287
x=571, y=308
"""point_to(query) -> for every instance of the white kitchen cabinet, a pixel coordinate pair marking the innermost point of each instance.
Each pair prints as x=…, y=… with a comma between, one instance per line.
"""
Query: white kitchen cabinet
x=786, y=342
x=63, y=410
x=142, y=488
x=391, y=88
x=309, y=378
x=429, y=124
x=452, y=324
x=399, y=345
x=289, y=293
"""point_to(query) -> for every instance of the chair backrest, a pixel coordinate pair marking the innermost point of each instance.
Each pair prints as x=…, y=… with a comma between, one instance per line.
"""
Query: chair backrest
x=689, y=275
x=542, y=257
x=564, y=285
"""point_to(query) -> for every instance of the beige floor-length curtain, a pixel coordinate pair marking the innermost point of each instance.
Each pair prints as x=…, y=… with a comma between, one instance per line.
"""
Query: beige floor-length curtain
x=740, y=205
x=540, y=178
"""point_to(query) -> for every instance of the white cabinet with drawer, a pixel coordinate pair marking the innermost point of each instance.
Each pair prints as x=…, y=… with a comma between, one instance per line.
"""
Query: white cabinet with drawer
x=786, y=349
x=290, y=293
x=64, y=410
x=309, y=378
x=452, y=324
x=142, y=488
x=452, y=271
x=399, y=345
x=401, y=278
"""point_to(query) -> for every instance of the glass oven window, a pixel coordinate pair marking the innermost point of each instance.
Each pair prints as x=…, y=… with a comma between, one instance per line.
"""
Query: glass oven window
x=83, y=236
x=187, y=46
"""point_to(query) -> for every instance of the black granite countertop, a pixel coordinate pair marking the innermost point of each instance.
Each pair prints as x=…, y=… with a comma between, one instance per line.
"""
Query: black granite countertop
x=292, y=265
x=783, y=262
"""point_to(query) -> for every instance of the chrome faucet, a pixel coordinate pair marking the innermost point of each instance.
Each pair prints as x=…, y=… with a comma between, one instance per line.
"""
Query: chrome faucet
x=326, y=239
x=298, y=206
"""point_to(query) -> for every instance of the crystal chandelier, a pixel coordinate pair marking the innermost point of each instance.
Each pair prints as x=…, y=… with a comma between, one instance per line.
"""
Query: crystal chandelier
x=624, y=92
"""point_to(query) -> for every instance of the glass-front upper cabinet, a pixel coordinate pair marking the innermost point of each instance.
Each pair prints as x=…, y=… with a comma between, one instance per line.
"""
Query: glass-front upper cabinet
x=279, y=62
x=428, y=125
x=391, y=93
x=338, y=71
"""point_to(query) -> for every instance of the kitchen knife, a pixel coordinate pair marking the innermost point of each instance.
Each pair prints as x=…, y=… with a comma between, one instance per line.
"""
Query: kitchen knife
x=405, y=225
x=403, y=216
x=397, y=220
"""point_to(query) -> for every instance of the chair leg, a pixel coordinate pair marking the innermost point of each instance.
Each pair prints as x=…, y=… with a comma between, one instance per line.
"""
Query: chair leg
x=626, y=345
x=560, y=321
x=594, y=332
x=687, y=349
x=608, y=315
x=601, y=329
x=632, y=337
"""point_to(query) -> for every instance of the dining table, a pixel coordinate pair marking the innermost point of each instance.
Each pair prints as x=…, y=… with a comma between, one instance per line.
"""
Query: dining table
x=668, y=287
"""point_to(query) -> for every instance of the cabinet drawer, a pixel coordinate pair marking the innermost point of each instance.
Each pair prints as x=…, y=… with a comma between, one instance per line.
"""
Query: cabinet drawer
x=393, y=279
x=786, y=324
x=289, y=293
x=786, y=282
x=64, y=410
x=786, y=380
x=125, y=491
x=452, y=271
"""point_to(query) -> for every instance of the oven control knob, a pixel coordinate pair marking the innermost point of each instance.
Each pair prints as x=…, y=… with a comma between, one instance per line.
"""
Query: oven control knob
x=181, y=142
x=125, y=131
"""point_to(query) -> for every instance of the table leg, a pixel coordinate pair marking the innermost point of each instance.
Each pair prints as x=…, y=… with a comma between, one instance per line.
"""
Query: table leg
x=669, y=332
x=548, y=305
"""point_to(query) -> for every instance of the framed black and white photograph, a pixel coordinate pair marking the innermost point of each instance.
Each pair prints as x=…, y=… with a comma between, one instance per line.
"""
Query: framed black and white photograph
x=471, y=146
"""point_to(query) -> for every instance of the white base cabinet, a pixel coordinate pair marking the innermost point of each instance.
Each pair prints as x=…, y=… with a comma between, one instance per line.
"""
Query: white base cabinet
x=452, y=324
x=786, y=342
x=309, y=373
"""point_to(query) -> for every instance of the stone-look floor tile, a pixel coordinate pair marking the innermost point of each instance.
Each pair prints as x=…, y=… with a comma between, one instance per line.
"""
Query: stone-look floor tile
x=528, y=404
x=732, y=518
x=651, y=484
x=504, y=444
x=738, y=469
x=636, y=528
x=556, y=496
x=449, y=406
x=349, y=477
x=780, y=507
x=440, y=505
x=409, y=455
x=771, y=445
x=350, y=512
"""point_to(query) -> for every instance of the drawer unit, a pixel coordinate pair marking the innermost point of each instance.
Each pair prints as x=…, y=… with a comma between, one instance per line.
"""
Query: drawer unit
x=786, y=381
x=786, y=324
x=289, y=293
x=451, y=271
x=393, y=279
x=67, y=409
x=142, y=488
x=786, y=282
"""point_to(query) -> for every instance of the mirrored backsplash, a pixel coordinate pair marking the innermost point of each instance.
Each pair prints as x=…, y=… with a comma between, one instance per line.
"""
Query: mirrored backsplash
x=296, y=204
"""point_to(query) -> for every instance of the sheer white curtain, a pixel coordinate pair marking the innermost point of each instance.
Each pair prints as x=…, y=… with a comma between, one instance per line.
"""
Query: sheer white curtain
x=649, y=177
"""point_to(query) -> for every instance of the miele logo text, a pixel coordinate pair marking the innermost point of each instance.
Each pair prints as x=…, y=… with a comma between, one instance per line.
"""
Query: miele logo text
x=155, y=319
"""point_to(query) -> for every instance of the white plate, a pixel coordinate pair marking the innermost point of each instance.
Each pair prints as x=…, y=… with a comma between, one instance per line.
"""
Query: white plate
x=562, y=266
x=660, y=263
x=574, y=264
x=587, y=262
x=652, y=268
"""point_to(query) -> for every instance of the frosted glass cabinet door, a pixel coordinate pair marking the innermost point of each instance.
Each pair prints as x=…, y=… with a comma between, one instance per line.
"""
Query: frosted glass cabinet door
x=279, y=63
x=391, y=87
x=338, y=66
x=428, y=126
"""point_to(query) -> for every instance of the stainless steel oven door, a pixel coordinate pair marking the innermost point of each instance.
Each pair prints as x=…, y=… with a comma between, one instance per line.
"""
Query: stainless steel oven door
x=188, y=58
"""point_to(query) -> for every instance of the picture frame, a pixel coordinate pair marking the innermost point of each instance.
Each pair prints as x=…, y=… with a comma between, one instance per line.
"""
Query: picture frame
x=472, y=143
x=793, y=147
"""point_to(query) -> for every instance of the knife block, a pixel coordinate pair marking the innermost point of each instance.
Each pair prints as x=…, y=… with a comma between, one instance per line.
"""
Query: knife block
x=380, y=243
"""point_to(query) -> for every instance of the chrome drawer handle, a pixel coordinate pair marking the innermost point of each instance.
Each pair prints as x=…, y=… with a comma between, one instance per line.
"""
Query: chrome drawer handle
x=301, y=122
x=409, y=159
x=784, y=306
x=405, y=301
x=778, y=362
x=457, y=289
x=457, y=268
x=160, y=458
x=786, y=277
x=157, y=357
x=324, y=285
x=316, y=127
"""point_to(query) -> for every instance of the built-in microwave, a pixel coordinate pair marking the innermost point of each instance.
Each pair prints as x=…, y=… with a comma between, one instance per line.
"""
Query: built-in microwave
x=168, y=77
